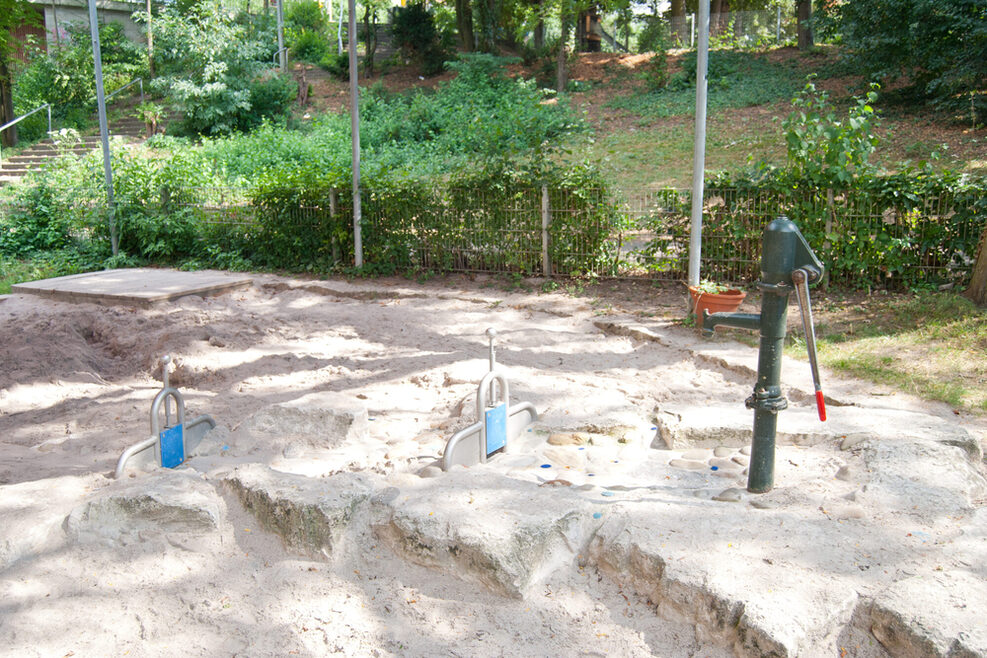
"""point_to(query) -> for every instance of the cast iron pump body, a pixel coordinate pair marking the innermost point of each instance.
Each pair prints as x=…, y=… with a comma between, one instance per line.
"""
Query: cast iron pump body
x=787, y=265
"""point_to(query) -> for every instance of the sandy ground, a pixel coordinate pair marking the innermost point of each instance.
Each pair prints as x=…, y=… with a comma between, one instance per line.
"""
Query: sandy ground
x=75, y=390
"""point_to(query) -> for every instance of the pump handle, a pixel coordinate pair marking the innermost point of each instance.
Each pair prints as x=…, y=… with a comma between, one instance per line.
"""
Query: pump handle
x=800, y=279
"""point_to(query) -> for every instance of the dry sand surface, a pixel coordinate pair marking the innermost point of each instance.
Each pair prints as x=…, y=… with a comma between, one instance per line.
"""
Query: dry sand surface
x=313, y=520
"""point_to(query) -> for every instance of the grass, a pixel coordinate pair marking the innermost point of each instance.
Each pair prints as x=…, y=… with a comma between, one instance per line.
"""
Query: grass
x=929, y=345
x=13, y=271
x=44, y=265
x=736, y=79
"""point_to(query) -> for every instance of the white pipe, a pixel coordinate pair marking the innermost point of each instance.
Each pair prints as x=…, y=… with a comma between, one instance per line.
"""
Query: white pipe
x=699, y=149
x=103, y=129
x=355, y=127
x=130, y=452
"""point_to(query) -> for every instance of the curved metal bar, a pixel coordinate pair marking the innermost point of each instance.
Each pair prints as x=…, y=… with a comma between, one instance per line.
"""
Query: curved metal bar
x=138, y=81
x=163, y=395
x=482, y=391
x=156, y=407
x=523, y=406
x=447, y=462
x=24, y=116
x=198, y=420
x=130, y=452
x=192, y=439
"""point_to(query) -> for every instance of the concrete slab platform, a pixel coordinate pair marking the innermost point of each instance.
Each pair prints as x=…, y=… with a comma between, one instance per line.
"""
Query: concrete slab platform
x=133, y=287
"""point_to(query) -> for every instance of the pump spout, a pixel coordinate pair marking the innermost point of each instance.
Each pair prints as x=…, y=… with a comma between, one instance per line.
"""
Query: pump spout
x=737, y=320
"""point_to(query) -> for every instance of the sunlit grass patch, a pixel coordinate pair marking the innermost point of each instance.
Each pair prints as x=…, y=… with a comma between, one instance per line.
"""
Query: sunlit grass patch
x=930, y=345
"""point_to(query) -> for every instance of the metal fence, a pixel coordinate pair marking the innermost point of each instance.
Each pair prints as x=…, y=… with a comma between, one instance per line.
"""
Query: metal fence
x=865, y=240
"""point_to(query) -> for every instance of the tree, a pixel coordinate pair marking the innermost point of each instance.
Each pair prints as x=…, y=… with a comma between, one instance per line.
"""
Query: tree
x=464, y=25
x=977, y=292
x=13, y=14
x=803, y=14
x=677, y=20
x=940, y=46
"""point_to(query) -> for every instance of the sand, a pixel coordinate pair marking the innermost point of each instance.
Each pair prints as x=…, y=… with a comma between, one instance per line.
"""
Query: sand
x=75, y=391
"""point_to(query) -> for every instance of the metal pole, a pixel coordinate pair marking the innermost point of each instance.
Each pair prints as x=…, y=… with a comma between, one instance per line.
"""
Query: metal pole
x=103, y=129
x=546, y=220
x=699, y=148
x=355, y=121
x=282, y=55
x=339, y=29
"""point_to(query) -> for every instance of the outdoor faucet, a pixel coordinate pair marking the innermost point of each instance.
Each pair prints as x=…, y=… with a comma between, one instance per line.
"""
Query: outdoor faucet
x=787, y=265
x=750, y=321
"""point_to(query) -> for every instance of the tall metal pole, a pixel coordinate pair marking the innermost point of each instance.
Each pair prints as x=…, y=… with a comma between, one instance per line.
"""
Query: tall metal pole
x=104, y=132
x=699, y=148
x=355, y=121
x=282, y=55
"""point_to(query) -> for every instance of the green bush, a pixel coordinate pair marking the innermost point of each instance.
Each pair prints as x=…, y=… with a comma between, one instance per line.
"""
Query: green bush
x=64, y=78
x=414, y=32
x=309, y=46
x=271, y=96
x=306, y=15
x=338, y=64
x=656, y=71
x=36, y=223
x=214, y=70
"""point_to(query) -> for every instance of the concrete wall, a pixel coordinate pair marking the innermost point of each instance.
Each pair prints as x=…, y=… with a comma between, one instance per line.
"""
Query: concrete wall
x=77, y=12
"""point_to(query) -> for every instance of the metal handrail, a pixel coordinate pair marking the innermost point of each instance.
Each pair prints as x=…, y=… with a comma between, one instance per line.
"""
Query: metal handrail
x=277, y=54
x=24, y=116
x=138, y=81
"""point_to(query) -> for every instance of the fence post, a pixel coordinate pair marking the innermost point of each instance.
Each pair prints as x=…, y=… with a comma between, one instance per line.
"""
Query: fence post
x=830, y=210
x=546, y=221
x=336, y=257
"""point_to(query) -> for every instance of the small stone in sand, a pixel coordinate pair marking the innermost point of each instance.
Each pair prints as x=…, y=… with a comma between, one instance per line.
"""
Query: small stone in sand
x=731, y=495
x=687, y=464
x=567, y=439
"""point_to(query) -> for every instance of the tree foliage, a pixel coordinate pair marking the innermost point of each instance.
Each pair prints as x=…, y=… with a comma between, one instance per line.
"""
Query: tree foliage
x=216, y=69
x=939, y=45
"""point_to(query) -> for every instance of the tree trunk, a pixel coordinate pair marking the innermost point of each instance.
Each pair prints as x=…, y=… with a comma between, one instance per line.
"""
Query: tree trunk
x=9, y=135
x=150, y=40
x=802, y=15
x=464, y=25
x=561, y=72
x=54, y=18
x=718, y=16
x=369, y=39
x=678, y=22
x=977, y=292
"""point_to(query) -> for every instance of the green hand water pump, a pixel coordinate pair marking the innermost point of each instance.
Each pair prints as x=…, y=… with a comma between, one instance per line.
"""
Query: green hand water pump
x=787, y=265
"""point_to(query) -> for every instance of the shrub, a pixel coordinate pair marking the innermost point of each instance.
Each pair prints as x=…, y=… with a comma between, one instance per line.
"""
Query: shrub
x=309, y=46
x=306, y=15
x=413, y=30
x=212, y=66
x=338, y=64
x=64, y=78
x=271, y=95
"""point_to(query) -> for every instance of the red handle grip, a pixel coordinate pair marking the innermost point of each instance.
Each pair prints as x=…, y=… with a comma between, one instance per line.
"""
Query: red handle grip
x=821, y=406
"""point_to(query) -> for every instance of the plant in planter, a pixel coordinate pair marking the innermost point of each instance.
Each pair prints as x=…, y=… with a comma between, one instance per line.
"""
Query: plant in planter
x=715, y=297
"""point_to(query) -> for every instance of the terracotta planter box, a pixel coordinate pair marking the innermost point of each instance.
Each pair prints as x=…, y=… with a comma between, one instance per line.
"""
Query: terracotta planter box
x=727, y=301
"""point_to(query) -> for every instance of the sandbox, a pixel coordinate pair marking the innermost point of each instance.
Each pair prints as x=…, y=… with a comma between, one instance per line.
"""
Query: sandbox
x=316, y=519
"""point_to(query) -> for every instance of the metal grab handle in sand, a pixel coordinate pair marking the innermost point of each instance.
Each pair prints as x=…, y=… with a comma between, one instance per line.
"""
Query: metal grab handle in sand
x=164, y=396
